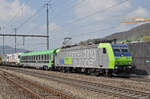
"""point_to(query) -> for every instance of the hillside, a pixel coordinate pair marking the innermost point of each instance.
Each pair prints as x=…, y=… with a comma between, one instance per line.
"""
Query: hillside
x=9, y=49
x=139, y=33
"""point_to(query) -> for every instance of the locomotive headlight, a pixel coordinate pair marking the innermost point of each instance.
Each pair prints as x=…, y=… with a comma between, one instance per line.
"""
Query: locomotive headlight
x=117, y=63
x=129, y=62
x=130, y=67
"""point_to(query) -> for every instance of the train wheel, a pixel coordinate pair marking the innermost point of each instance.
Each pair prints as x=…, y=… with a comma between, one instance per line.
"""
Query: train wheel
x=87, y=71
x=108, y=73
x=45, y=67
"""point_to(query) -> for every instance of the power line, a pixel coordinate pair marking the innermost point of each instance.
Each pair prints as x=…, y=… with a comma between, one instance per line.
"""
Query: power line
x=145, y=6
x=103, y=10
x=17, y=13
x=23, y=35
x=68, y=7
x=29, y=18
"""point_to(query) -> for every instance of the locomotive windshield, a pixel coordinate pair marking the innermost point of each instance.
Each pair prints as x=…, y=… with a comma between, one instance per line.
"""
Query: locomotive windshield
x=124, y=50
x=119, y=48
x=116, y=50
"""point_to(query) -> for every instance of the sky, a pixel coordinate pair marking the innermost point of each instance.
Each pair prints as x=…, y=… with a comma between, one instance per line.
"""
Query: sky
x=79, y=19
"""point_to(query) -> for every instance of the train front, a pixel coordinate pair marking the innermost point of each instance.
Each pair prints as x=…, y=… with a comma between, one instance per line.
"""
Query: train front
x=123, y=58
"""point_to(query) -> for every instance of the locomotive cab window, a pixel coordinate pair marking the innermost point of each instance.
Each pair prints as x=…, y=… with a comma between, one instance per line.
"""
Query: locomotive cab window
x=124, y=50
x=104, y=50
x=19, y=56
x=116, y=50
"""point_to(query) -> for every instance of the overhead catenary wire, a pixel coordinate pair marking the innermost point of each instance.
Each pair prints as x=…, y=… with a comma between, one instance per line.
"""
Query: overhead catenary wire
x=13, y=18
x=120, y=15
x=29, y=18
x=107, y=10
x=68, y=7
x=102, y=10
x=92, y=32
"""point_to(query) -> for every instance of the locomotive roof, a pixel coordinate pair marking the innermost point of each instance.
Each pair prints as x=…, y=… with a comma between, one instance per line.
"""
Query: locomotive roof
x=80, y=47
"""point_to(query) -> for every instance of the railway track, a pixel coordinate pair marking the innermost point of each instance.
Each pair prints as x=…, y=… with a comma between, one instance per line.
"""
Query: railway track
x=100, y=88
x=140, y=79
x=35, y=90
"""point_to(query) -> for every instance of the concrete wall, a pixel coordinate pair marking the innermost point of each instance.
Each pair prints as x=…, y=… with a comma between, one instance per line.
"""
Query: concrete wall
x=141, y=57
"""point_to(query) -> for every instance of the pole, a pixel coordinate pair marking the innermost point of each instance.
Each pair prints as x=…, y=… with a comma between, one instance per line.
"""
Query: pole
x=23, y=41
x=47, y=20
x=3, y=45
x=15, y=39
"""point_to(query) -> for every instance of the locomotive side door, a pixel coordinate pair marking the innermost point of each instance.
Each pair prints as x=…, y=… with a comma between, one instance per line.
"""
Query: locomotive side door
x=103, y=58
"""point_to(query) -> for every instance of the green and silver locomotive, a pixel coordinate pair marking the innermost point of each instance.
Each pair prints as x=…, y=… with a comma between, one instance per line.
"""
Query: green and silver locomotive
x=104, y=58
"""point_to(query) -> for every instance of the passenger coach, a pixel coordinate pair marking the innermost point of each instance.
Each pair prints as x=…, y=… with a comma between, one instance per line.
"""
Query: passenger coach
x=37, y=59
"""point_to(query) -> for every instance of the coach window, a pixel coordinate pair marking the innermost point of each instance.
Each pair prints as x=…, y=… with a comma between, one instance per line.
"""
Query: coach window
x=47, y=57
x=39, y=57
x=42, y=57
